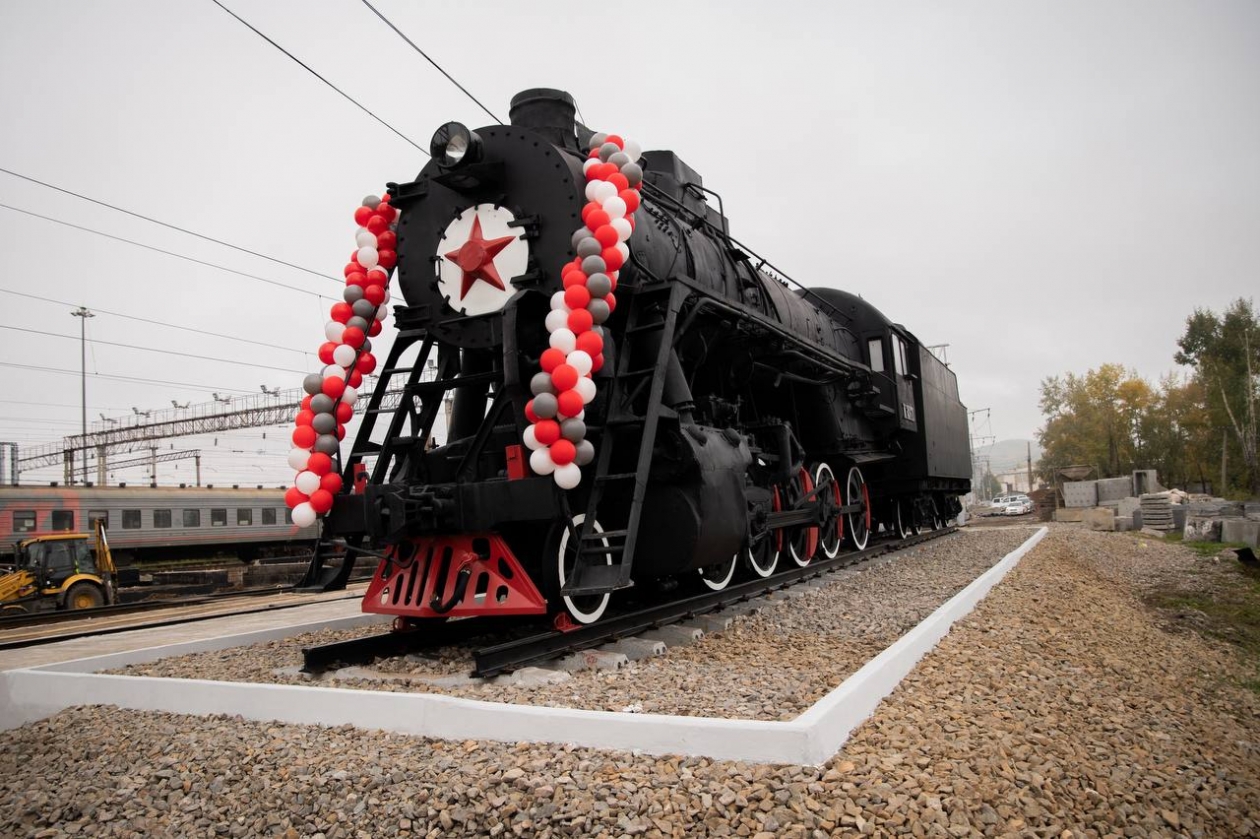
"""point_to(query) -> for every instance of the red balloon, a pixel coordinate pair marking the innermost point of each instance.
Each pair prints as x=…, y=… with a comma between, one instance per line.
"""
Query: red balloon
x=304, y=436
x=562, y=452
x=320, y=464
x=580, y=321
x=616, y=140
x=631, y=198
x=597, y=219
x=355, y=378
x=331, y=483
x=341, y=312
x=306, y=403
x=375, y=329
x=386, y=212
x=607, y=236
x=588, y=209
x=376, y=225
x=606, y=170
x=366, y=364
x=529, y=411
x=344, y=411
x=321, y=501
x=352, y=337
x=304, y=417
x=547, y=431
x=597, y=362
x=576, y=296
x=326, y=352
x=341, y=432
x=611, y=300
x=569, y=267
x=574, y=278
x=387, y=239
x=563, y=378
x=591, y=343
x=333, y=387
x=294, y=497
x=551, y=359
x=352, y=267
x=387, y=258
x=612, y=258
x=374, y=294
x=361, y=216
x=385, y=199
x=570, y=403
x=619, y=180
x=612, y=280
x=377, y=275
x=357, y=278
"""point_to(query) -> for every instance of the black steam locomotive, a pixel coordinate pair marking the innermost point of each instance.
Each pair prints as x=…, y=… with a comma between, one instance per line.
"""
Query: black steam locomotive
x=739, y=424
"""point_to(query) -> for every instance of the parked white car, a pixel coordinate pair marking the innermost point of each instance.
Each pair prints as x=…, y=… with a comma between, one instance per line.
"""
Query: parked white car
x=1018, y=507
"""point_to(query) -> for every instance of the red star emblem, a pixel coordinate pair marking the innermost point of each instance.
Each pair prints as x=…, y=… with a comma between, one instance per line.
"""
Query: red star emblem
x=476, y=258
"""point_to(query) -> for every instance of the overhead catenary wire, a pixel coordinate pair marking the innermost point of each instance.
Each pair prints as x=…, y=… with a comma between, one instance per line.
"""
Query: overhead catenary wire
x=412, y=44
x=136, y=379
x=314, y=73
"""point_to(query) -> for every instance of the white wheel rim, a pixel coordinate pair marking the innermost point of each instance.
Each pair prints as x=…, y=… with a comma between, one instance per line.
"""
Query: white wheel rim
x=578, y=614
x=854, y=497
x=901, y=525
x=791, y=543
x=718, y=585
x=833, y=550
x=769, y=569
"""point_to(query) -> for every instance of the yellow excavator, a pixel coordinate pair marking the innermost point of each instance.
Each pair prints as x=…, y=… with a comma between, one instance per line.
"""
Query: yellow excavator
x=69, y=571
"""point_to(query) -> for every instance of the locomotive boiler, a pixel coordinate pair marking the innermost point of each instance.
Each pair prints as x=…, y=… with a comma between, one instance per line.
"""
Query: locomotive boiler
x=738, y=423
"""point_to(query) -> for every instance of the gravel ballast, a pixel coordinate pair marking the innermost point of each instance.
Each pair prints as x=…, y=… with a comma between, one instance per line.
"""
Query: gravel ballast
x=816, y=638
x=1059, y=707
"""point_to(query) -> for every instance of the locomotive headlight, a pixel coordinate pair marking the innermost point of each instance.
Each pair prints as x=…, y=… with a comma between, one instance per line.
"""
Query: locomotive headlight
x=454, y=145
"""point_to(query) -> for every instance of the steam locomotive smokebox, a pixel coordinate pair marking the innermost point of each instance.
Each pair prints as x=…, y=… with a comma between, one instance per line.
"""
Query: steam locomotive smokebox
x=702, y=515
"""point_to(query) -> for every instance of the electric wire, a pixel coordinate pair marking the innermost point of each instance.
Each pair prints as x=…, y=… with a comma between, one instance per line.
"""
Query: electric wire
x=167, y=224
x=312, y=71
x=137, y=379
x=412, y=44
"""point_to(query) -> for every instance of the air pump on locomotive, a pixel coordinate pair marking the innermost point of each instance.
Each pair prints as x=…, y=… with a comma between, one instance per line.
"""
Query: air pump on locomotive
x=739, y=424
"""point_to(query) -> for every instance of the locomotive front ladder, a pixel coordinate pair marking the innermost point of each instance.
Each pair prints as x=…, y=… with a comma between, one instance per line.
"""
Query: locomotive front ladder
x=653, y=309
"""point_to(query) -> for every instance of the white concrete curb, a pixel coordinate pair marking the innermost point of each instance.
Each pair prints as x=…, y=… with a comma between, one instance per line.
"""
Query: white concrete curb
x=814, y=736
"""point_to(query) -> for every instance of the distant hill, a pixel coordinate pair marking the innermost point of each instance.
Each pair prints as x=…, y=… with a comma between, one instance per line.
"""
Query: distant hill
x=1007, y=455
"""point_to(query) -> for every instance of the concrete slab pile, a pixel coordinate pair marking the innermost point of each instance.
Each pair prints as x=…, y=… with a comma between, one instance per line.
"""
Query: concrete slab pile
x=1157, y=513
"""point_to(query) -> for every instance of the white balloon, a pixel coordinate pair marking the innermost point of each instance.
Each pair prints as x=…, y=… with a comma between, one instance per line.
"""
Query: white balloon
x=365, y=238
x=586, y=389
x=568, y=476
x=625, y=251
x=590, y=161
x=632, y=149
x=558, y=304
x=368, y=257
x=344, y=355
x=592, y=189
x=333, y=330
x=298, y=459
x=564, y=340
x=557, y=319
x=350, y=396
x=332, y=371
x=304, y=515
x=387, y=294
x=615, y=207
x=580, y=361
x=530, y=439
x=540, y=461
x=307, y=482
x=382, y=312
x=622, y=227
x=604, y=190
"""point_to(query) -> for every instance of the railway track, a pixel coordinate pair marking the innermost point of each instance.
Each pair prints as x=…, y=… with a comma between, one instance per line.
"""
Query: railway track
x=549, y=644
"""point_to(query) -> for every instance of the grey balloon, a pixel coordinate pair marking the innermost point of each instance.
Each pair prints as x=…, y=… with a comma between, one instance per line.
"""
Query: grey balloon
x=593, y=265
x=585, y=453
x=598, y=139
x=364, y=309
x=589, y=246
x=323, y=404
x=607, y=150
x=599, y=310
x=367, y=345
x=313, y=383
x=541, y=383
x=353, y=294
x=327, y=443
x=371, y=202
x=324, y=423
x=361, y=323
x=598, y=285
x=573, y=430
x=633, y=173
x=545, y=405
x=619, y=159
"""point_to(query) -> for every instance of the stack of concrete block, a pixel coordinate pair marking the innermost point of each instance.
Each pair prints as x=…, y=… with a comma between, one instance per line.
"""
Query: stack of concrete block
x=1157, y=512
x=1080, y=494
x=1243, y=530
x=1099, y=518
x=1113, y=490
x=1218, y=520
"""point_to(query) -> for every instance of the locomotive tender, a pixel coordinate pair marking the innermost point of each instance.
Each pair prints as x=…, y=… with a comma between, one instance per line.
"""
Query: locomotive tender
x=739, y=423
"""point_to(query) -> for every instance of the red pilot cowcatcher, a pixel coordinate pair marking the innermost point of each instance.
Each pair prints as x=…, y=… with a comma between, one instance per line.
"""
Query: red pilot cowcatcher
x=453, y=576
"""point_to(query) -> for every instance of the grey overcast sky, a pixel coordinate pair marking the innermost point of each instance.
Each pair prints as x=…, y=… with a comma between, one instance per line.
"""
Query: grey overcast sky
x=1043, y=186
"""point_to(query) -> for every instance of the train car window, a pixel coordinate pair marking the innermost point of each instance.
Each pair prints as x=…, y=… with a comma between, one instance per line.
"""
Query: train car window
x=899, y=355
x=192, y=518
x=244, y=515
x=131, y=519
x=63, y=519
x=23, y=521
x=876, y=348
x=98, y=515
x=269, y=515
x=161, y=518
x=218, y=517
x=288, y=516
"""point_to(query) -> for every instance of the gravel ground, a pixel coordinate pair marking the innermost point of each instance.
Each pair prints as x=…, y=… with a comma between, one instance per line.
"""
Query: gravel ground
x=815, y=641
x=1058, y=708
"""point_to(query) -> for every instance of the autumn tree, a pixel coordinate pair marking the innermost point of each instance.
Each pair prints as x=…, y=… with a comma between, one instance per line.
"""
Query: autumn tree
x=1098, y=419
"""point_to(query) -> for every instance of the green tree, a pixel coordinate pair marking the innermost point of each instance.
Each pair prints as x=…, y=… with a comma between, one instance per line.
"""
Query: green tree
x=1225, y=354
x=1099, y=419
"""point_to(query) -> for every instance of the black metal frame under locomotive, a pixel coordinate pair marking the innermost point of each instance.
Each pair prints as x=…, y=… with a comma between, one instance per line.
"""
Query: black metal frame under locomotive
x=724, y=399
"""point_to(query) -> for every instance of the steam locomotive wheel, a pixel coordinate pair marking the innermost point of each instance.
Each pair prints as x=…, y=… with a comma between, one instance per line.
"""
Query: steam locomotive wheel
x=831, y=533
x=584, y=609
x=718, y=576
x=902, y=514
x=802, y=541
x=762, y=557
x=859, y=522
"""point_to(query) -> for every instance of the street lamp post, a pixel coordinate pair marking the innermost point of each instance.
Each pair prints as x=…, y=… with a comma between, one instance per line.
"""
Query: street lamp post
x=83, y=313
